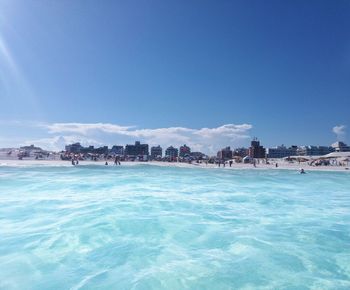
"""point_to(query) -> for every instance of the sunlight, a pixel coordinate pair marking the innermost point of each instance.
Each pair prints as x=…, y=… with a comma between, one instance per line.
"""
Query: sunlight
x=6, y=57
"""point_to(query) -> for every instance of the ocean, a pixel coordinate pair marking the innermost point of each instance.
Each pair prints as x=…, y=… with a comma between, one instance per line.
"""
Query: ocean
x=153, y=227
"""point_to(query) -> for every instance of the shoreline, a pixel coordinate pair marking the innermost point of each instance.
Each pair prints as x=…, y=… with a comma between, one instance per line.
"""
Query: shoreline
x=235, y=166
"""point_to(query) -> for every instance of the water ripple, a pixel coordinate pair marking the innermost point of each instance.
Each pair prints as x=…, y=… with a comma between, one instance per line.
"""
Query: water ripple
x=150, y=227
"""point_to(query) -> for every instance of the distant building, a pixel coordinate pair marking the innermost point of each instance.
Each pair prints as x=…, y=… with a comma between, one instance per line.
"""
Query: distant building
x=281, y=151
x=225, y=153
x=118, y=150
x=77, y=148
x=101, y=150
x=156, y=151
x=198, y=155
x=184, y=151
x=314, y=150
x=242, y=152
x=256, y=150
x=89, y=149
x=85, y=150
x=137, y=149
x=74, y=148
x=30, y=148
x=340, y=147
x=30, y=151
x=171, y=152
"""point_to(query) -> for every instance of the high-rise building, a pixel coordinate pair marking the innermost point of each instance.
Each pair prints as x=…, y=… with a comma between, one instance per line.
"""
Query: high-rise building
x=156, y=151
x=242, y=152
x=137, y=149
x=184, y=151
x=225, y=153
x=101, y=150
x=118, y=150
x=171, y=152
x=256, y=150
x=74, y=148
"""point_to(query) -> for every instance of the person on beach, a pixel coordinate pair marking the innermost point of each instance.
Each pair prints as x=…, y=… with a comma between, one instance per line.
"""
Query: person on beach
x=106, y=163
x=116, y=160
x=230, y=162
x=73, y=162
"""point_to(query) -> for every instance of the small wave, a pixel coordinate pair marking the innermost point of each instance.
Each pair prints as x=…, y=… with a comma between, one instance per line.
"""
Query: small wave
x=87, y=279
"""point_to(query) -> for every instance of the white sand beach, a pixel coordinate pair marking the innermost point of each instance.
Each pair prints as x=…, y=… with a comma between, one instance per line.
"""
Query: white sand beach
x=282, y=164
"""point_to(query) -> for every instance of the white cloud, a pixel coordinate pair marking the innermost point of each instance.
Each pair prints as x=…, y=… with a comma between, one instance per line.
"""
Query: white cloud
x=57, y=143
x=339, y=130
x=208, y=140
x=229, y=130
x=84, y=128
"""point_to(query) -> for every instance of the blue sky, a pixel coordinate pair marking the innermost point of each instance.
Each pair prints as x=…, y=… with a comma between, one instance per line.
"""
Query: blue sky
x=168, y=71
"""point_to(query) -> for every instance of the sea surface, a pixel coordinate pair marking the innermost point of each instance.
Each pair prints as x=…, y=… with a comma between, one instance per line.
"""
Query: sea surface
x=152, y=227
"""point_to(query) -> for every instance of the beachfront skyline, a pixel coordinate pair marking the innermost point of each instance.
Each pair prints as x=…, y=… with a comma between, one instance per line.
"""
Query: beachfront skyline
x=115, y=71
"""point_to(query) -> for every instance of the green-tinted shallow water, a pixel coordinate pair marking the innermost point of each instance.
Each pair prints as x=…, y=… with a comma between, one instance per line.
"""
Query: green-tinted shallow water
x=149, y=227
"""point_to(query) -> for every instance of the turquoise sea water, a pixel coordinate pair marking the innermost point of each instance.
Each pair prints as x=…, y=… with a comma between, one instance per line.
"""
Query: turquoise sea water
x=150, y=227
